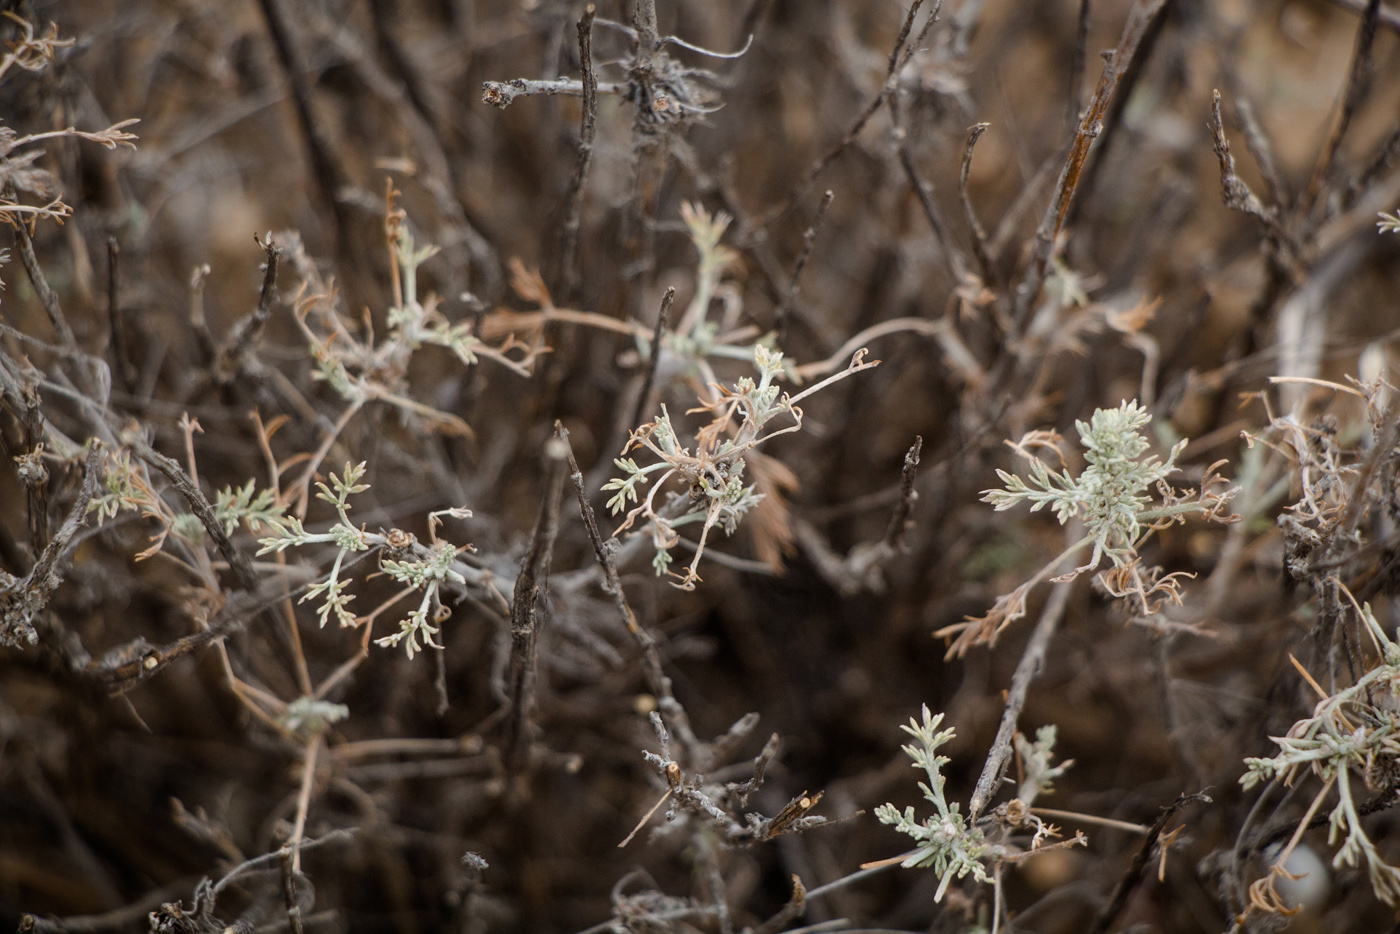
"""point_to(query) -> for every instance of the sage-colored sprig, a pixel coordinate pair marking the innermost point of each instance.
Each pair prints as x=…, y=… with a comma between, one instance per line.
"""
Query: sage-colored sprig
x=1110, y=495
x=1348, y=730
x=944, y=841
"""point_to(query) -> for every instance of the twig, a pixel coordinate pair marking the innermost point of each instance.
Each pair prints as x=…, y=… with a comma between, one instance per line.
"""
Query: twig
x=870, y=870
x=530, y=585
x=1385, y=154
x=1140, y=18
x=335, y=836
x=1234, y=191
x=289, y=896
x=123, y=918
x=908, y=496
x=1133, y=876
x=657, y=680
x=1032, y=659
x=860, y=569
x=20, y=388
x=1388, y=17
x=793, y=909
x=573, y=198
x=23, y=600
x=308, y=782
x=1076, y=66
x=715, y=878
x=957, y=265
x=230, y=357
x=896, y=62
x=123, y=668
x=323, y=166
x=440, y=683
x=1261, y=149
x=1363, y=68
x=47, y=297
x=979, y=236
x=1358, y=502
x=656, y=335
x=86, y=379
x=503, y=93
x=780, y=315
x=644, y=21
x=1091, y=819
x=121, y=349
x=239, y=562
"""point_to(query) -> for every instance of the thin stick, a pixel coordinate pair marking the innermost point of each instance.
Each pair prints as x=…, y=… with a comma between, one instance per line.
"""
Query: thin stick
x=287, y=858
x=780, y=316
x=1130, y=879
x=1388, y=17
x=308, y=780
x=229, y=359
x=503, y=93
x=1090, y=126
x=1363, y=69
x=979, y=236
x=573, y=198
x=645, y=817
x=659, y=684
x=1076, y=67
x=957, y=264
x=84, y=376
x=896, y=62
x=1032, y=660
x=900, y=522
x=1235, y=193
x=26, y=599
x=326, y=170
x=1091, y=819
x=121, y=349
x=530, y=585
x=656, y=335
x=335, y=836
x=867, y=870
x=47, y=296
x=199, y=505
x=1261, y=149
x=1385, y=154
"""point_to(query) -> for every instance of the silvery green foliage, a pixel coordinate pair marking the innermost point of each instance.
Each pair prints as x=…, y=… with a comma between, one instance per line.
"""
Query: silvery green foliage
x=243, y=505
x=1035, y=758
x=428, y=575
x=308, y=715
x=713, y=475
x=945, y=842
x=1111, y=493
x=289, y=531
x=1354, y=728
x=428, y=569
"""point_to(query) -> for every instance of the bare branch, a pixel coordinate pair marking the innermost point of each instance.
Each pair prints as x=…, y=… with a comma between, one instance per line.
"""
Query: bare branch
x=1090, y=126
x=1363, y=69
x=573, y=198
x=525, y=617
x=979, y=236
